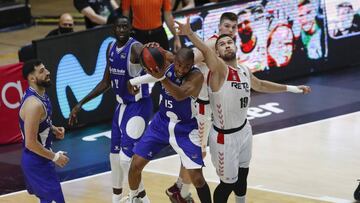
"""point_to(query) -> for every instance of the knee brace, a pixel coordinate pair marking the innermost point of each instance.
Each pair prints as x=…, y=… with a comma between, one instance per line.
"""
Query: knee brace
x=125, y=166
x=222, y=192
x=241, y=183
x=116, y=172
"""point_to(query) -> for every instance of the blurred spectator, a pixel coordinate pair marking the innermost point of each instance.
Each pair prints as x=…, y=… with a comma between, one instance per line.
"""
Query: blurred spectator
x=247, y=38
x=280, y=46
x=311, y=30
x=182, y=4
x=97, y=12
x=348, y=20
x=66, y=25
x=147, y=22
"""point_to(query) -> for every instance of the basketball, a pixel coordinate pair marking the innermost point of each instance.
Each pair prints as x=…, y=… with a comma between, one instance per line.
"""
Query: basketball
x=152, y=59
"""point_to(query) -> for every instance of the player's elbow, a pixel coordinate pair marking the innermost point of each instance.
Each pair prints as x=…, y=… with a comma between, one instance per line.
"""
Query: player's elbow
x=30, y=145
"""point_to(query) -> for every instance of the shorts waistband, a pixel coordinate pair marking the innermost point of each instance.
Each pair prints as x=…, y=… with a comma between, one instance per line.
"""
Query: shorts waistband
x=229, y=131
x=200, y=101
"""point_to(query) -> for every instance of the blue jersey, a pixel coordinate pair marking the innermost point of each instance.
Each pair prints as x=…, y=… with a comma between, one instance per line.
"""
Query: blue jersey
x=184, y=109
x=45, y=135
x=120, y=73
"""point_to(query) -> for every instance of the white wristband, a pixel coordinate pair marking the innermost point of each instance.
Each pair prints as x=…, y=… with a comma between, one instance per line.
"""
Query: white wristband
x=57, y=156
x=293, y=89
x=144, y=79
x=162, y=78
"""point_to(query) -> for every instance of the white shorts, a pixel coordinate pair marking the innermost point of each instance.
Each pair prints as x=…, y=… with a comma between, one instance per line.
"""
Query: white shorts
x=235, y=153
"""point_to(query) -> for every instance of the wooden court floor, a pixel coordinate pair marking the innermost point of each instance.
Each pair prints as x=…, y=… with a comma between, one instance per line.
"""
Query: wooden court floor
x=314, y=162
x=96, y=190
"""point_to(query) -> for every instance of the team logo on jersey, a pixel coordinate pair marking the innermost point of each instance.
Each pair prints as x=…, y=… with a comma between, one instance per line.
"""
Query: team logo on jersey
x=241, y=85
x=169, y=74
x=123, y=56
x=116, y=71
x=233, y=75
x=150, y=154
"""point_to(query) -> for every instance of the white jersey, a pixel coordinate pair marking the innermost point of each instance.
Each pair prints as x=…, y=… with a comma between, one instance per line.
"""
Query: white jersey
x=231, y=102
x=204, y=94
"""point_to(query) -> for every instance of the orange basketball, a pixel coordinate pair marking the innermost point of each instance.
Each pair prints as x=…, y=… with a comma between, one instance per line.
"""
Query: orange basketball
x=152, y=59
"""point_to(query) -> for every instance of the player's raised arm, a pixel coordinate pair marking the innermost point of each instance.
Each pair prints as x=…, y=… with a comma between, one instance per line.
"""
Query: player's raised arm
x=214, y=63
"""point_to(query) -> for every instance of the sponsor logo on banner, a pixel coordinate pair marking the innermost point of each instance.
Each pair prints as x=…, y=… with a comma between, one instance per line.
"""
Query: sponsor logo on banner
x=12, y=87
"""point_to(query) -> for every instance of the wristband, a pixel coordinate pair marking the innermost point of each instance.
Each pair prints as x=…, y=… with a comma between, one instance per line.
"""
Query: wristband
x=293, y=89
x=144, y=79
x=162, y=78
x=57, y=156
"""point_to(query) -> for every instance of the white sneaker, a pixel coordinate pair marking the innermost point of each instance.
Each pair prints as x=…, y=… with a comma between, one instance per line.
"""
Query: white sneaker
x=133, y=200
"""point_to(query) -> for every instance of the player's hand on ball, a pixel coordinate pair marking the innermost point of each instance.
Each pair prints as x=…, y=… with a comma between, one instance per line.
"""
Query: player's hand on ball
x=132, y=89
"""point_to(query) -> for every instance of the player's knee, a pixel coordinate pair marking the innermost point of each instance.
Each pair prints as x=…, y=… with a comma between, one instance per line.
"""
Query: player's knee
x=137, y=164
x=225, y=187
x=241, y=183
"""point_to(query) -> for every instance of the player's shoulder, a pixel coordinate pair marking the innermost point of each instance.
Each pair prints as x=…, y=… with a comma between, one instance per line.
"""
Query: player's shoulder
x=32, y=102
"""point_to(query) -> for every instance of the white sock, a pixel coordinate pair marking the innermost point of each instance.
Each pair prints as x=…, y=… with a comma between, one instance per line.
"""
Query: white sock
x=240, y=199
x=117, y=175
x=184, y=192
x=145, y=199
x=133, y=193
x=179, y=182
x=116, y=198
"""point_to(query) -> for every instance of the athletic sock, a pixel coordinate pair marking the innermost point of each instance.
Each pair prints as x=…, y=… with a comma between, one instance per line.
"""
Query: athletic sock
x=204, y=193
x=239, y=199
x=185, y=190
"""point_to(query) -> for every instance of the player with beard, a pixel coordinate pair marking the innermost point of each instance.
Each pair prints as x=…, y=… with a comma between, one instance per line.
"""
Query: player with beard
x=229, y=92
x=38, y=160
x=174, y=124
x=180, y=191
x=133, y=111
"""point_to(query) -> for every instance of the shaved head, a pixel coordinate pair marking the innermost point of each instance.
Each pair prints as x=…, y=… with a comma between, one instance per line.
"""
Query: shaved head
x=66, y=20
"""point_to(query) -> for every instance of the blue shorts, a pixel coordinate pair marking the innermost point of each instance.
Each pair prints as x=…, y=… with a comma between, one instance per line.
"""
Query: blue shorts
x=41, y=178
x=182, y=136
x=129, y=123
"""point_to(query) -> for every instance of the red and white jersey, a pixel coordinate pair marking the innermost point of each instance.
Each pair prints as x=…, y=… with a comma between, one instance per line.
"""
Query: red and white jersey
x=204, y=94
x=231, y=102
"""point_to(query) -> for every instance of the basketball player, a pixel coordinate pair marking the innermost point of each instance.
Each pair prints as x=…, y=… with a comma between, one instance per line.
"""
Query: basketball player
x=174, y=123
x=229, y=93
x=38, y=160
x=227, y=25
x=133, y=111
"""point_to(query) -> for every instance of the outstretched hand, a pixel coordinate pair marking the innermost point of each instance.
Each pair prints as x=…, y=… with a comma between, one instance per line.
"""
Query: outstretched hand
x=73, y=115
x=305, y=89
x=183, y=28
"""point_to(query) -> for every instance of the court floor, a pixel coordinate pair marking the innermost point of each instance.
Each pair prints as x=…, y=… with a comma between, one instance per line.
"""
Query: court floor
x=312, y=162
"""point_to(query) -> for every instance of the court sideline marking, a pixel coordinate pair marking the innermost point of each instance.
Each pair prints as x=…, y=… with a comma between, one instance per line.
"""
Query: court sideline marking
x=258, y=187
